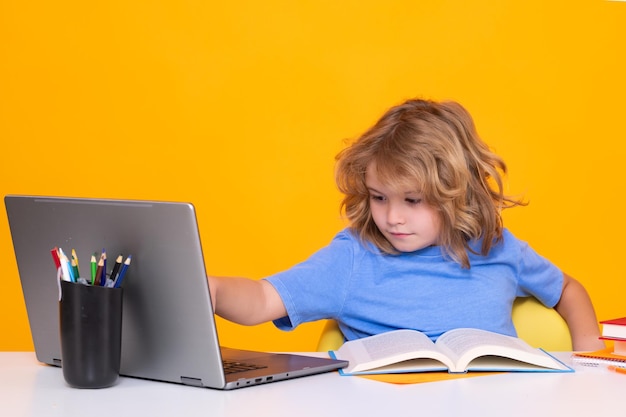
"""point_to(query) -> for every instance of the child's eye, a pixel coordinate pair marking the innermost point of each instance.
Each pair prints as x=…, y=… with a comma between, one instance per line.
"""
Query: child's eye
x=376, y=197
x=413, y=201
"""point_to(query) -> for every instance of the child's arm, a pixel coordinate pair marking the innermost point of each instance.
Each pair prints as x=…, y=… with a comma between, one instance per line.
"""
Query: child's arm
x=245, y=301
x=576, y=308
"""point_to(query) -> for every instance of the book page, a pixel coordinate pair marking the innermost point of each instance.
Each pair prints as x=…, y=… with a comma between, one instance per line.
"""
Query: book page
x=469, y=344
x=396, y=343
x=388, y=348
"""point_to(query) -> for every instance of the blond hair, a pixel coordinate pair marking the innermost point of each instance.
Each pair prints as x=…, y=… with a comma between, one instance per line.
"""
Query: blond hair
x=431, y=147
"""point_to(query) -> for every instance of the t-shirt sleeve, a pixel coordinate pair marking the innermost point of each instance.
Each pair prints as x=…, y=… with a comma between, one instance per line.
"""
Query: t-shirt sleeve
x=538, y=277
x=316, y=288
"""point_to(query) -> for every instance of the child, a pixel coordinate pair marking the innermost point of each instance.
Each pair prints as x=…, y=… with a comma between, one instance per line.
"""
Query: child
x=425, y=249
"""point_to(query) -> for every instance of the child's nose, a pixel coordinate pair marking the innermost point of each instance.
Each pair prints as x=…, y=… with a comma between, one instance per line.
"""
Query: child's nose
x=394, y=215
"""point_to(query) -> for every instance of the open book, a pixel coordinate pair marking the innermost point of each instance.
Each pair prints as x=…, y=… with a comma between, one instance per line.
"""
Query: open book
x=457, y=351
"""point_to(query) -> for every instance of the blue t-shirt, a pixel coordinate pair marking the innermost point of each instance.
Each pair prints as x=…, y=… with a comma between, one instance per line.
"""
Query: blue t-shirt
x=368, y=292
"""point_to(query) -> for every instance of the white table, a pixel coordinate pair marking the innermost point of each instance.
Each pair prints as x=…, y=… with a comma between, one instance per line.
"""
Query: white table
x=28, y=388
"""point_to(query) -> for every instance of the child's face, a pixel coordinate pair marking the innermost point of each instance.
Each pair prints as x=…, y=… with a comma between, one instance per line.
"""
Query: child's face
x=407, y=221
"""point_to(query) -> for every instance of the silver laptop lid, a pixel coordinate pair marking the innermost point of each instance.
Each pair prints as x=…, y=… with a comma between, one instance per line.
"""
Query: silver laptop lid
x=167, y=275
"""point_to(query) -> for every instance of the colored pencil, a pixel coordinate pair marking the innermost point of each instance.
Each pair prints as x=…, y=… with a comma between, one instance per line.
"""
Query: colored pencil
x=94, y=267
x=55, y=257
x=103, y=279
x=122, y=273
x=99, y=271
x=116, y=267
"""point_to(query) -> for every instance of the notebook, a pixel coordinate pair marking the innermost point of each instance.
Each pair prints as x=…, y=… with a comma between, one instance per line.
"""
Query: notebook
x=168, y=326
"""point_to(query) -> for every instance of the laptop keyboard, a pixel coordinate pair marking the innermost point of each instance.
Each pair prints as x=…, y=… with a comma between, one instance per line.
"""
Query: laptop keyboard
x=230, y=367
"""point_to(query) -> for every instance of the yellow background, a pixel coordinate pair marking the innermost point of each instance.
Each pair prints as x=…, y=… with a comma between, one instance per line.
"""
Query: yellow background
x=240, y=108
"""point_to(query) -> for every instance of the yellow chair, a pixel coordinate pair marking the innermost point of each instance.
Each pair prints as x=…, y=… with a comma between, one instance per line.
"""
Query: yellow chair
x=541, y=326
x=538, y=325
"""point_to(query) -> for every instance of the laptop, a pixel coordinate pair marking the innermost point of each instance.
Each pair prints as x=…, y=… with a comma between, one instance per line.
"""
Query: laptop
x=168, y=325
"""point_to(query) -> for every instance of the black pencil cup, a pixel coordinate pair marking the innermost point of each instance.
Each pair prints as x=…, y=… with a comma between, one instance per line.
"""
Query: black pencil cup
x=90, y=319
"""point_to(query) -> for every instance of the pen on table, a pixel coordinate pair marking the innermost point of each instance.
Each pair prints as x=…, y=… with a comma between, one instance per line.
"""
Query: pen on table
x=617, y=369
x=94, y=267
x=120, y=276
x=99, y=271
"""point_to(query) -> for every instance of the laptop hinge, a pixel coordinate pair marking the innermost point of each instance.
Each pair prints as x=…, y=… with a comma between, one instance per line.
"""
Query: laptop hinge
x=187, y=380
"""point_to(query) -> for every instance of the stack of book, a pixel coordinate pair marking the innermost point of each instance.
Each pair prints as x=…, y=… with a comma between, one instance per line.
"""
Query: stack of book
x=614, y=331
